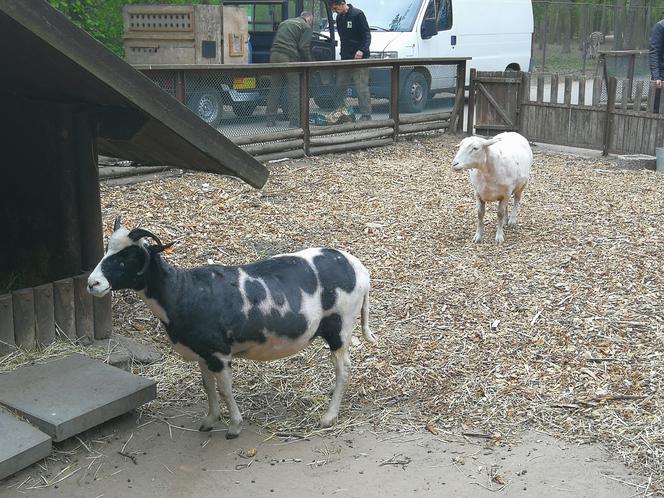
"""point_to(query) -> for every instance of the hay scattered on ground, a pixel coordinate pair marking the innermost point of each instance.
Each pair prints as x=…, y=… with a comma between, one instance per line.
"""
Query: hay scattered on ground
x=559, y=329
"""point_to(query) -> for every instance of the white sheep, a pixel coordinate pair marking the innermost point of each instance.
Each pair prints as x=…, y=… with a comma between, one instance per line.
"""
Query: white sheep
x=499, y=169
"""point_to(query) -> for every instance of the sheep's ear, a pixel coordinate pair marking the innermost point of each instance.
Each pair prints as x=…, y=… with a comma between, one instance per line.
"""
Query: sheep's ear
x=491, y=141
x=116, y=223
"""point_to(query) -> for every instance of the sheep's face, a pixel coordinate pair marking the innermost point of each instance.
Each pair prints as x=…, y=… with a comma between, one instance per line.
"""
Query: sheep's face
x=123, y=265
x=471, y=154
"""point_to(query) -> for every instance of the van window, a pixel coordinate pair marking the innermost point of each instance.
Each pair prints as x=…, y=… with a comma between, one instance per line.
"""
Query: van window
x=389, y=15
x=443, y=14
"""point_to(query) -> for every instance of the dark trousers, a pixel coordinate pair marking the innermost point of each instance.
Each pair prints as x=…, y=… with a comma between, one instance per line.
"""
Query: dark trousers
x=360, y=77
x=658, y=96
x=277, y=82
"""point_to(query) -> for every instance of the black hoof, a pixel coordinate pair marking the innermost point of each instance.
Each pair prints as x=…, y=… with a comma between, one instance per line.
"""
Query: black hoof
x=230, y=435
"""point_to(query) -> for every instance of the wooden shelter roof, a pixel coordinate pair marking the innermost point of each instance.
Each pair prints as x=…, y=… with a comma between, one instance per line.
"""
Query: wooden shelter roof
x=46, y=57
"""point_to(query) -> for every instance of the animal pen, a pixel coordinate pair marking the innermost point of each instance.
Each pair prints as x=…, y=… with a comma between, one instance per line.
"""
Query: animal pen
x=397, y=79
x=571, y=111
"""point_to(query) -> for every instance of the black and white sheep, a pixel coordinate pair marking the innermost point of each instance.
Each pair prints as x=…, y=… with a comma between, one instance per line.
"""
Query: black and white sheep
x=261, y=311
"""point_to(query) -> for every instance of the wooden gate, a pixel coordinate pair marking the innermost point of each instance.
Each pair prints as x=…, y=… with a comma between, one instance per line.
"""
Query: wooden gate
x=493, y=101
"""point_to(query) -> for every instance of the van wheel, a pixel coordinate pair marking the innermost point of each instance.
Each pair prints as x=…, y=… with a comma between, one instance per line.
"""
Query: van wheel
x=415, y=93
x=207, y=105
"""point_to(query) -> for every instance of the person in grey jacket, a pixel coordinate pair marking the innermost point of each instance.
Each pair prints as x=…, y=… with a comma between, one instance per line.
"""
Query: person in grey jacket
x=657, y=60
x=292, y=43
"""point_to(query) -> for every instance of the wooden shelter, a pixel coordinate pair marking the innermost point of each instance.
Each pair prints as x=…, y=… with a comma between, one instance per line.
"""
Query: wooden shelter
x=65, y=98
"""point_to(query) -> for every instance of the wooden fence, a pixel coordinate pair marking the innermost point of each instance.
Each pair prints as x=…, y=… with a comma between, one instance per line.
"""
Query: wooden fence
x=37, y=316
x=576, y=112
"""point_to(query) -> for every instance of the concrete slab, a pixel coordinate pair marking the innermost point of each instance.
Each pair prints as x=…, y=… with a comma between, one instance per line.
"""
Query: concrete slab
x=72, y=394
x=22, y=444
x=124, y=351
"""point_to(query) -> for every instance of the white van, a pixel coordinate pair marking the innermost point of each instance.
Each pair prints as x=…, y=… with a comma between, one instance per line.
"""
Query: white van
x=497, y=34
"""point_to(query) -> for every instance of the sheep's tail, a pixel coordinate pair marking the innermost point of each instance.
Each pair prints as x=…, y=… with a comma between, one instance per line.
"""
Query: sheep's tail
x=364, y=320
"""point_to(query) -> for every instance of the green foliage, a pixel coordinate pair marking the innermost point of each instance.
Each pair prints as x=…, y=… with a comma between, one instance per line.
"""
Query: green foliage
x=103, y=18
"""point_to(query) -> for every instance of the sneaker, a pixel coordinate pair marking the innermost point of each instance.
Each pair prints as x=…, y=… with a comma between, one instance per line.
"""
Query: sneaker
x=365, y=117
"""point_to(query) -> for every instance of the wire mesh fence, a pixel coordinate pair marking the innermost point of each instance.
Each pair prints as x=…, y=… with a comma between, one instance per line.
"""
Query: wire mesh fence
x=267, y=98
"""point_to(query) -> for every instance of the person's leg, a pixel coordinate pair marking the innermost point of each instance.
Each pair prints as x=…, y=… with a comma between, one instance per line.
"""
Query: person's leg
x=363, y=93
x=293, y=82
x=658, y=96
x=274, y=95
x=341, y=87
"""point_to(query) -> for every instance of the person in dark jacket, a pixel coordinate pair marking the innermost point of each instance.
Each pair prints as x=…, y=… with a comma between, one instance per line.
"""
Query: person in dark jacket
x=657, y=60
x=292, y=43
x=355, y=37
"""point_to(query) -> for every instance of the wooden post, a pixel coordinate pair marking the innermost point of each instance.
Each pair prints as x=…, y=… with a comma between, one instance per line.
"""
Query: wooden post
x=597, y=91
x=44, y=314
x=630, y=73
x=103, y=316
x=582, y=90
x=7, y=341
x=89, y=215
x=84, y=310
x=64, y=307
x=553, y=97
x=471, y=101
x=23, y=303
x=70, y=259
x=461, y=94
x=610, y=109
x=304, y=107
x=394, y=99
x=180, y=86
x=568, y=90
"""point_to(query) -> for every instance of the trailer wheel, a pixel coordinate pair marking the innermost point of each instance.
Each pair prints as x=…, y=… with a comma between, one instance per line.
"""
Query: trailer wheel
x=244, y=108
x=207, y=105
x=415, y=93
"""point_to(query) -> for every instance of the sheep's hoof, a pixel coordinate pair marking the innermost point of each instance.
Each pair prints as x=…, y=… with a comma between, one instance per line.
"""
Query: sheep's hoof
x=205, y=428
x=511, y=223
x=328, y=420
x=477, y=239
x=232, y=433
x=500, y=240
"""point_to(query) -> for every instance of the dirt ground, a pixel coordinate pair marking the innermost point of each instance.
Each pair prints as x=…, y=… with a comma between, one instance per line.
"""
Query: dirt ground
x=558, y=331
x=130, y=456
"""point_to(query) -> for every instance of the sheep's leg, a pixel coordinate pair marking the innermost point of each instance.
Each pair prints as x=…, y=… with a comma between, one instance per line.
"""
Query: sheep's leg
x=481, y=209
x=502, y=214
x=212, y=396
x=517, y=200
x=225, y=384
x=341, y=360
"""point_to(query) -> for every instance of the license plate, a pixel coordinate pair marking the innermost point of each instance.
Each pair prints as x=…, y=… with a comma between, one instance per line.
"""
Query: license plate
x=244, y=83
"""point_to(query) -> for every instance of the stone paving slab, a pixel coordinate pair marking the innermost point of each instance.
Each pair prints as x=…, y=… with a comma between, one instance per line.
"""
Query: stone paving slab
x=72, y=394
x=22, y=444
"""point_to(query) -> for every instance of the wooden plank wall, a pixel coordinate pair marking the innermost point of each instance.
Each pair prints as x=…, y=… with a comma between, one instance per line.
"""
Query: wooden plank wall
x=577, y=111
x=554, y=116
x=635, y=128
x=35, y=317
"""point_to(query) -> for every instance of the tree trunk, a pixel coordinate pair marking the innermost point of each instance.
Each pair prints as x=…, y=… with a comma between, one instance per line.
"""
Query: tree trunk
x=617, y=25
x=567, y=28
